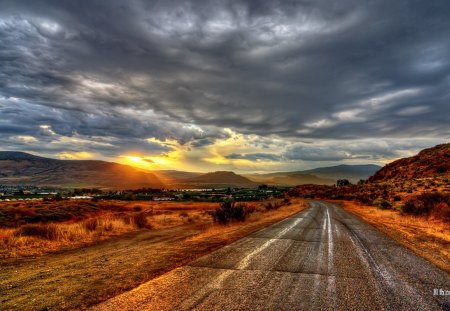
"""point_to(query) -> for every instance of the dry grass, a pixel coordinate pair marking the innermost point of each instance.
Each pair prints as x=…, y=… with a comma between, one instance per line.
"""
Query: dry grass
x=427, y=236
x=41, y=238
x=77, y=278
x=117, y=219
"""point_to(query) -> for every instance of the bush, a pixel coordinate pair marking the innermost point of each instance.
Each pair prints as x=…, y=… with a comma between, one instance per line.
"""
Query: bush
x=426, y=203
x=90, y=224
x=382, y=203
x=272, y=205
x=415, y=207
x=140, y=220
x=230, y=211
x=45, y=231
x=442, y=210
x=127, y=220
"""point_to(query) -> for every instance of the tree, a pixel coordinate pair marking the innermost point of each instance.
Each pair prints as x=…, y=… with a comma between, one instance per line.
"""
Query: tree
x=343, y=182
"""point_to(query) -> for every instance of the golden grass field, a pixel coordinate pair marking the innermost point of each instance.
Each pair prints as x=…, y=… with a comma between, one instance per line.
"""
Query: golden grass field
x=99, y=225
x=82, y=267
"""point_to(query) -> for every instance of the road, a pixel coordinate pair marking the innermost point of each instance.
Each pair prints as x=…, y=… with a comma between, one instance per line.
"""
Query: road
x=322, y=258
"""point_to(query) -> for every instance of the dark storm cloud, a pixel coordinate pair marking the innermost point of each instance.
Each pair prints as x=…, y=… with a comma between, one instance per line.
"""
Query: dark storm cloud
x=297, y=69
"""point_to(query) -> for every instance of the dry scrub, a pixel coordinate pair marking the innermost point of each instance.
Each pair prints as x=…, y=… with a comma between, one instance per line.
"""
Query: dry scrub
x=32, y=239
x=77, y=278
x=94, y=224
x=429, y=237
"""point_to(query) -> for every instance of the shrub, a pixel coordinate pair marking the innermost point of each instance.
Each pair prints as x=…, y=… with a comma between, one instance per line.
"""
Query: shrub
x=442, y=210
x=382, y=203
x=127, y=220
x=45, y=231
x=426, y=203
x=108, y=225
x=90, y=224
x=415, y=207
x=443, y=168
x=140, y=220
x=229, y=211
x=343, y=182
x=272, y=205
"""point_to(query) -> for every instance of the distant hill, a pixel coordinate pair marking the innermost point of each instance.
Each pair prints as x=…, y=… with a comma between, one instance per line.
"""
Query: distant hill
x=290, y=179
x=24, y=168
x=15, y=155
x=321, y=176
x=351, y=172
x=431, y=162
x=218, y=179
x=170, y=177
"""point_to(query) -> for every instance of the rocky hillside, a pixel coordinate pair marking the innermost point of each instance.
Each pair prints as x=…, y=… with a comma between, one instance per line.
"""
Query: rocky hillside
x=431, y=162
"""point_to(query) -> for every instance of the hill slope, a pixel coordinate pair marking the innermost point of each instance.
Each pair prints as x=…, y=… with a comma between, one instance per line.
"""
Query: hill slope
x=24, y=168
x=290, y=179
x=351, y=172
x=320, y=176
x=431, y=162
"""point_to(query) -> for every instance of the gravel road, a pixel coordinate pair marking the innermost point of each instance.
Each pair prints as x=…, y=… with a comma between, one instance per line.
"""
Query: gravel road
x=323, y=258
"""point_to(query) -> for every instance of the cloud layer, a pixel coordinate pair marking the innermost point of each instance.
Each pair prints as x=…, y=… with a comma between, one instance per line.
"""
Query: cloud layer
x=116, y=73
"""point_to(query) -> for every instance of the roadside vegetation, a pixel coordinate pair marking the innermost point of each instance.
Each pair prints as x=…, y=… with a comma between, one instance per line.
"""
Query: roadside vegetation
x=33, y=228
x=139, y=242
x=426, y=235
x=420, y=197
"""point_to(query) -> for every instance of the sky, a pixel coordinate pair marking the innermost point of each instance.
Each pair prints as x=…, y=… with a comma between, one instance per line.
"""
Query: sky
x=248, y=86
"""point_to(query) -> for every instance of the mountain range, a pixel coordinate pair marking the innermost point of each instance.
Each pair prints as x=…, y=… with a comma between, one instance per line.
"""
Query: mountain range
x=25, y=168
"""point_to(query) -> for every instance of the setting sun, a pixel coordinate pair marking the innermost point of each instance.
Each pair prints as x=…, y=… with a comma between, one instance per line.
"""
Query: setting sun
x=137, y=161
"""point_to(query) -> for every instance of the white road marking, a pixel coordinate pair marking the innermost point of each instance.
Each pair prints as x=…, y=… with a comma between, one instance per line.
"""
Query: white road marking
x=223, y=276
x=246, y=261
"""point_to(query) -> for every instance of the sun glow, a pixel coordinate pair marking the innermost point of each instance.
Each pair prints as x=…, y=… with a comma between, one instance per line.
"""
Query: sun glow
x=165, y=161
x=137, y=161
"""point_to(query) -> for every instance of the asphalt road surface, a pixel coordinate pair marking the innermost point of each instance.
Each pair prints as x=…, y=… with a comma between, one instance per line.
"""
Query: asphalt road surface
x=323, y=258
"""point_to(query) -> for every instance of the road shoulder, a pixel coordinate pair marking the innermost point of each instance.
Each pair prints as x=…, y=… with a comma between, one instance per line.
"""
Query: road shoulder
x=428, y=238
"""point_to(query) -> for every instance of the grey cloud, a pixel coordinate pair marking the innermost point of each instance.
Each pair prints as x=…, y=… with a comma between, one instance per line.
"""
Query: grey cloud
x=254, y=156
x=296, y=69
x=370, y=150
x=202, y=142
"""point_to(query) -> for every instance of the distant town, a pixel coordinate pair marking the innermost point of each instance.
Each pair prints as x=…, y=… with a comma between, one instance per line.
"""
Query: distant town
x=30, y=193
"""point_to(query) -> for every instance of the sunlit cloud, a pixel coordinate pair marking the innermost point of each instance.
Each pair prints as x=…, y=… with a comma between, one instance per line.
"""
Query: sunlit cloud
x=80, y=155
x=204, y=85
x=27, y=139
